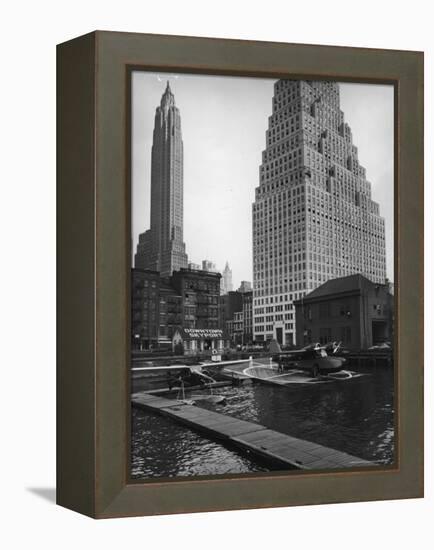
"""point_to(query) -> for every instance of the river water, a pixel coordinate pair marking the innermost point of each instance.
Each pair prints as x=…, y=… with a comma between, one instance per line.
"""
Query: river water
x=355, y=417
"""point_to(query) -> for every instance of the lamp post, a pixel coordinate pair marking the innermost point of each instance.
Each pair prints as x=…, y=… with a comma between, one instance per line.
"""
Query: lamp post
x=138, y=341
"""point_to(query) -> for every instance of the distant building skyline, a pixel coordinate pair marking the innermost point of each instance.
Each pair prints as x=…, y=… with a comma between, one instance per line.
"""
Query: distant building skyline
x=224, y=122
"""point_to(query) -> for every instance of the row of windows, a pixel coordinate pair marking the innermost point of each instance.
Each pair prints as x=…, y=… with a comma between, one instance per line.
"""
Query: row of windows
x=269, y=328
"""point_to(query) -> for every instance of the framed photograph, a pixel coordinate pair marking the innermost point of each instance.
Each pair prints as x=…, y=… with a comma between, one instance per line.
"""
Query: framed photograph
x=240, y=274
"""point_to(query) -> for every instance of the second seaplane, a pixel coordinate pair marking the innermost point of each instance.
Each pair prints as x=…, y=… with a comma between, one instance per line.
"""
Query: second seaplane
x=184, y=379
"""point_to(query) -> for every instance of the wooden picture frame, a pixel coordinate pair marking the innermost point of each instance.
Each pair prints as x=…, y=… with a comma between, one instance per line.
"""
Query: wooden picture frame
x=94, y=261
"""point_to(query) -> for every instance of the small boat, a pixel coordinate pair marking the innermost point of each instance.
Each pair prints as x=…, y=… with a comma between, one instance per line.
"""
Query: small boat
x=211, y=398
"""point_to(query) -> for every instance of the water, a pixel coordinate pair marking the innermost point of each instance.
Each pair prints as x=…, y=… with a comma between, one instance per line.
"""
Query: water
x=355, y=417
x=162, y=448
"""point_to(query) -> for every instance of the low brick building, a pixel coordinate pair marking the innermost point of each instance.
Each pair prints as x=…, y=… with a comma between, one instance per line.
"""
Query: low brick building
x=229, y=304
x=188, y=299
x=235, y=328
x=236, y=316
x=146, y=309
x=200, y=293
x=352, y=310
x=248, y=317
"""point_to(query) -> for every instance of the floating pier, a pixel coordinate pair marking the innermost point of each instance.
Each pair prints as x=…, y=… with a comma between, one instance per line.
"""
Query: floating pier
x=290, y=452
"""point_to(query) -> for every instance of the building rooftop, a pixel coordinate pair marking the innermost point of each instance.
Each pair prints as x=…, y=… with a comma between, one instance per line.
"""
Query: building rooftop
x=190, y=271
x=339, y=285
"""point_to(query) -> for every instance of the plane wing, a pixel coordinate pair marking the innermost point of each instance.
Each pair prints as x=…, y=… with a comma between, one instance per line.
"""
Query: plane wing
x=292, y=352
x=165, y=368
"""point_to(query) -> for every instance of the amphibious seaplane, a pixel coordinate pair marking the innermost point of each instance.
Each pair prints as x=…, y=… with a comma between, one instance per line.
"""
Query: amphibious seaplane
x=184, y=377
x=189, y=378
x=314, y=358
x=311, y=365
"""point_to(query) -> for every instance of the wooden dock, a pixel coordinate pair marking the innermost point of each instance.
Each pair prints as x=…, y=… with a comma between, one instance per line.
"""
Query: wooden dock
x=290, y=452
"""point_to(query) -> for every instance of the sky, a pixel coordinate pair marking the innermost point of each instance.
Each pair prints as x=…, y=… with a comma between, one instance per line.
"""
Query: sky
x=223, y=122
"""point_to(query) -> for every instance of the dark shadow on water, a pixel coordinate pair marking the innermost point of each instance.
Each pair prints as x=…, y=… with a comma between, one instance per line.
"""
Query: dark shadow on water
x=47, y=493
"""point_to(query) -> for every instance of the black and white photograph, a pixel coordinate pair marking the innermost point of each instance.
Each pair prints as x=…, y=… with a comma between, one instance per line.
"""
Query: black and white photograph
x=214, y=281
x=262, y=275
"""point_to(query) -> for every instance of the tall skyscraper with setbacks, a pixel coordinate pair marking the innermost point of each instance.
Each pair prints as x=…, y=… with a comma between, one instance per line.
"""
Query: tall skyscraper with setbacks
x=313, y=215
x=162, y=248
x=226, y=282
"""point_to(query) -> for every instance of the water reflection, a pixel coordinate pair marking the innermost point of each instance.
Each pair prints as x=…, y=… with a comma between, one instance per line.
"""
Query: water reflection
x=162, y=448
x=355, y=417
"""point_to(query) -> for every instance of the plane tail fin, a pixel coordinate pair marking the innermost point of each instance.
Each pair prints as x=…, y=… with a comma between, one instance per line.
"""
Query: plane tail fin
x=275, y=347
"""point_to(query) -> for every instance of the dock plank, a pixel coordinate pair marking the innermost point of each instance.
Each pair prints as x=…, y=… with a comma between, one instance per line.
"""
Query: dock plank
x=250, y=436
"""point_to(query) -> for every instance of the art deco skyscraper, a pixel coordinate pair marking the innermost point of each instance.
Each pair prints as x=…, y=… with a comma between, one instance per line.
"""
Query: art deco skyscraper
x=313, y=215
x=226, y=282
x=161, y=248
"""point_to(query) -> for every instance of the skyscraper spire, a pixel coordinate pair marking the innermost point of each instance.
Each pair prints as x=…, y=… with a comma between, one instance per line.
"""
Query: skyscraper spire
x=161, y=248
x=167, y=99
